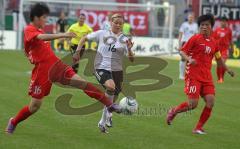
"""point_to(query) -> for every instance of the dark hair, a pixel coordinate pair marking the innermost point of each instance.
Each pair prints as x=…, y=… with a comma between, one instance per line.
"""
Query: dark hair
x=207, y=17
x=223, y=19
x=38, y=10
x=82, y=14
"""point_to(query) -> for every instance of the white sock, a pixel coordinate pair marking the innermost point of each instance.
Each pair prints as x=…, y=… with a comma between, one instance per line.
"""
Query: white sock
x=105, y=113
x=182, y=69
x=104, y=116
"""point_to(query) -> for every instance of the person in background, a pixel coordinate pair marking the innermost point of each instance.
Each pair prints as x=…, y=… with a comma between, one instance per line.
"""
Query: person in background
x=186, y=31
x=127, y=29
x=61, y=27
x=223, y=35
x=187, y=11
x=81, y=29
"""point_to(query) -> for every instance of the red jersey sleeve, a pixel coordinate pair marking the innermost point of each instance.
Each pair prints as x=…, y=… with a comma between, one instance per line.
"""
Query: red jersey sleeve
x=31, y=33
x=189, y=45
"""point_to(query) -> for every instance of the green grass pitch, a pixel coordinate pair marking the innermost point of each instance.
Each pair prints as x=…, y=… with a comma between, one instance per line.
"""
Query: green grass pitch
x=50, y=129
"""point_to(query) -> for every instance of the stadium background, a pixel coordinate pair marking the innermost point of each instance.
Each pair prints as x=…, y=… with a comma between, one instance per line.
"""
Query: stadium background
x=158, y=23
x=145, y=129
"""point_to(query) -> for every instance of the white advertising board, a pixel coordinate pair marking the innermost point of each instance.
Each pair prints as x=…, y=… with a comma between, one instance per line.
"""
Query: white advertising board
x=147, y=46
x=8, y=40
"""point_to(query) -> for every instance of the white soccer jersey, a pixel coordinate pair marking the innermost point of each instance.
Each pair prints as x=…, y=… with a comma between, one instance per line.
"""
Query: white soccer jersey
x=188, y=30
x=111, y=49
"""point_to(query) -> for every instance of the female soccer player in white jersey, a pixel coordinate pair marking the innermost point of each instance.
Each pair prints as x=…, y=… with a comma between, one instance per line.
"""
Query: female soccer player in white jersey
x=112, y=46
x=186, y=31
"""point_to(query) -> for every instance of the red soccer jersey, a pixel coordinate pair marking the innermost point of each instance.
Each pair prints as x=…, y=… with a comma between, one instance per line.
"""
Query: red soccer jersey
x=201, y=49
x=223, y=37
x=37, y=50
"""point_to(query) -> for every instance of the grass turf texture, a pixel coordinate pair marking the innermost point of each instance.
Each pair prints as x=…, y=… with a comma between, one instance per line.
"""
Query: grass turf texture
x=50, y=129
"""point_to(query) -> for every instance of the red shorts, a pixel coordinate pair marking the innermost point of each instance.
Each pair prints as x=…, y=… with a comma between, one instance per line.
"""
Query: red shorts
x=46, y=73
x=194, y=88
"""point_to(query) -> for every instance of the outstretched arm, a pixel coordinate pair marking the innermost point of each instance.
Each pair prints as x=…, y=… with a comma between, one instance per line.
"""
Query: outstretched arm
x=47, y=37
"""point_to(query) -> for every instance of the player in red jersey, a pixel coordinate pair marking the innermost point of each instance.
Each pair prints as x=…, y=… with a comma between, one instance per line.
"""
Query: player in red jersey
x=223, y=35
x=49, y=68
x=199, y=52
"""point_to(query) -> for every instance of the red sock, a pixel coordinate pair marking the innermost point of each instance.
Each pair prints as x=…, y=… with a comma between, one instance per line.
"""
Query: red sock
x=183, y=107
x=22, y=115
x=219, y=72
x=204, y=117
x=94, y=92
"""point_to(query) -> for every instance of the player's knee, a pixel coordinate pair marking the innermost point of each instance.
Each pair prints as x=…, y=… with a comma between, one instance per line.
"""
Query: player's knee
x=210, y=104
x=209, y=101
x=193, y=105
x=77, y=82
x=110, y=87
x=34, y=108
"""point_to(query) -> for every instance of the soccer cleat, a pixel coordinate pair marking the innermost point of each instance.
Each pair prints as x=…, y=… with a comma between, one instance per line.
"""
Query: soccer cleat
x=170, y=116
x=109, y=121
x=114, y=108
x=10, y=127
x=199, y=131
x=102, y=128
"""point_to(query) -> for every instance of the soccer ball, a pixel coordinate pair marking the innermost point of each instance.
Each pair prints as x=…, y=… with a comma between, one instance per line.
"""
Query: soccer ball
x=129, y=105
